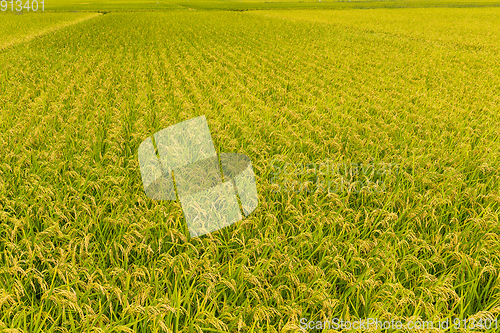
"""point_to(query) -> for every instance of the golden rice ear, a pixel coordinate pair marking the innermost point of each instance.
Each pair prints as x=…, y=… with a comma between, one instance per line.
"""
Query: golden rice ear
x=210, y=210
x=157, y=183
x=238, y=169
x=185, y=143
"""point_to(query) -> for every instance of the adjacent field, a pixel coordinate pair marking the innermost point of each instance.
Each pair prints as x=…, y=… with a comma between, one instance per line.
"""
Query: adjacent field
x=15, y=28
x=429, y=26
x=243, y=5
x=117, y=5
x=83, y=249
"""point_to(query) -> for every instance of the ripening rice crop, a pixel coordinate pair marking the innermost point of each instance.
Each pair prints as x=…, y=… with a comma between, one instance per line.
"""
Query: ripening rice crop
x=83, y=249
x=23, y=27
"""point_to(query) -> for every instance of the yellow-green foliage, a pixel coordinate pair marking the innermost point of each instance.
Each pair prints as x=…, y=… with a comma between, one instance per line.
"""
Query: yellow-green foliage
x=17, y=28
x=82, y=248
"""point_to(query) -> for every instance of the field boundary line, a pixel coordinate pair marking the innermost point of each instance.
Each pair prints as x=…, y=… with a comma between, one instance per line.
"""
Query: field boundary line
x=42, y=33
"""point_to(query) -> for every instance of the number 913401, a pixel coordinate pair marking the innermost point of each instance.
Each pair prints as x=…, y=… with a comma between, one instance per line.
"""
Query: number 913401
x=20, y=5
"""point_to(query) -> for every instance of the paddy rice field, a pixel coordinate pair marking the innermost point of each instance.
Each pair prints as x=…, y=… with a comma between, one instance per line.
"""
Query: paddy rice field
x=410, y=88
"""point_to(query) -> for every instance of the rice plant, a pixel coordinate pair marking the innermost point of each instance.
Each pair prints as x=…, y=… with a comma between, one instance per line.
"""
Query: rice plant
x=82, y=248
